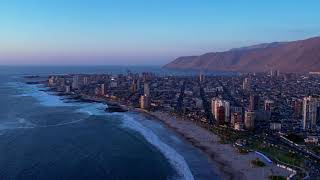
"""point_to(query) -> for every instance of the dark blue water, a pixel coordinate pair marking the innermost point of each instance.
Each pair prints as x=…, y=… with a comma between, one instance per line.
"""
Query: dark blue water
x=42, y=137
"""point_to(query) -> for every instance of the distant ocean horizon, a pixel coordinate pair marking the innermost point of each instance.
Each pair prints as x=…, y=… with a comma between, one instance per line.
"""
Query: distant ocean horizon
x=43, y=137
x=101, y=69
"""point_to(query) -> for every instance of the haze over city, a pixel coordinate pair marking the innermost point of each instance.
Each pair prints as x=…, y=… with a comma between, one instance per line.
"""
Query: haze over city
x=144, y=32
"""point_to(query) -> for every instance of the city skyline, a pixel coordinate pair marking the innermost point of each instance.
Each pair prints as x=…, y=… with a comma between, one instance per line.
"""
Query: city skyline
x=143, y=32
x=169, y=89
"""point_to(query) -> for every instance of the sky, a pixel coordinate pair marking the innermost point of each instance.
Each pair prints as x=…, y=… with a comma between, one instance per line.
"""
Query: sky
x=144, y=32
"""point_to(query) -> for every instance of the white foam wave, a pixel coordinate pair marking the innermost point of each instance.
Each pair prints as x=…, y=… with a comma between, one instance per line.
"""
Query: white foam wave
x=59, y=124
x=175, y=159
x=20, y=123
x=47, y=99
x=92, y=108
x=43, y=97
x=24, y=124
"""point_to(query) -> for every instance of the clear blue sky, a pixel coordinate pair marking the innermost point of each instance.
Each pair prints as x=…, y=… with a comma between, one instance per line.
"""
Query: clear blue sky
x=144, y=31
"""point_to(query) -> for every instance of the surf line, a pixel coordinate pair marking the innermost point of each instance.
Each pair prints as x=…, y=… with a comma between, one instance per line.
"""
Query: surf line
x=174, y=158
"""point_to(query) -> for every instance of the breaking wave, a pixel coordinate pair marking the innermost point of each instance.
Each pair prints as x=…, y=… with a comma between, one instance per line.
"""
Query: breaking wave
x=175, y=159
x=45, y=98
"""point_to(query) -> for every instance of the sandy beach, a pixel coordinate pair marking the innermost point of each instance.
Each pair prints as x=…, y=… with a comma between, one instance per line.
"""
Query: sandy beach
x=232, y=165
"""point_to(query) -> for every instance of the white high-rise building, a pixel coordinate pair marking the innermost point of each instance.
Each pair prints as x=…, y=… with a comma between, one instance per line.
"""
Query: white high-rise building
x=246, y=84
x=145, y=102
x=215, y=104
x=311, y=112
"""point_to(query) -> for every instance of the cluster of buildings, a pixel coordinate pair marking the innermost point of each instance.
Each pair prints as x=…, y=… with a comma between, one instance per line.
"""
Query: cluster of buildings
x=311, y=112
x=251, y=101
x=257, y=103
x=245, y=118
x=260, y=102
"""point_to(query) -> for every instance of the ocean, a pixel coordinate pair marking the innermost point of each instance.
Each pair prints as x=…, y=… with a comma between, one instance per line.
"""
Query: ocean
x=43, y=137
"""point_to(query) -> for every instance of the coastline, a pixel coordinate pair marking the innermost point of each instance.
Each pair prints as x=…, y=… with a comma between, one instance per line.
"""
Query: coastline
x=224, y=169
x=230, y=163
x=224, y=172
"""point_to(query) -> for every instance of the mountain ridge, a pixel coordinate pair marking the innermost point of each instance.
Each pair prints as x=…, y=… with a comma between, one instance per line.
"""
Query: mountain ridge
x=294, y=56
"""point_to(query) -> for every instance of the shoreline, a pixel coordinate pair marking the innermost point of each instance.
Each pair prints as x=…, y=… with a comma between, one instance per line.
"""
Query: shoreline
x=231, y=164
x=224, y=170
x=236, y=167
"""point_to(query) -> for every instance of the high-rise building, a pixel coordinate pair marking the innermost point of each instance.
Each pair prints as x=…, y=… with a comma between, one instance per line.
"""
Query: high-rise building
x=75, y=82
x=85, y=80
x=246, y=84
x=138, y=84
x=311, y=112
x=145, y=102
x=272, y=72
x=97, y=91
x=147, y=76
x=201, y=77
x=297, y=107
x=68, y=89
x=113, y=84
x=51, y=81
x=215, y=107
x=103, y=89
x=268, y=105
x=146, y=89
x=221, y=115
x=254, y=103
x=133, y=87
x=249, y=119
x=62, y=82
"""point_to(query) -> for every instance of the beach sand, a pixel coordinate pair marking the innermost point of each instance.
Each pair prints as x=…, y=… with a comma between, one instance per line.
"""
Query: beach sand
x=232, y=165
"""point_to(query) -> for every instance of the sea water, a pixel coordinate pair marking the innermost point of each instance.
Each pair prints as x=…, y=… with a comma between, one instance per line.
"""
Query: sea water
x=43, y=137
